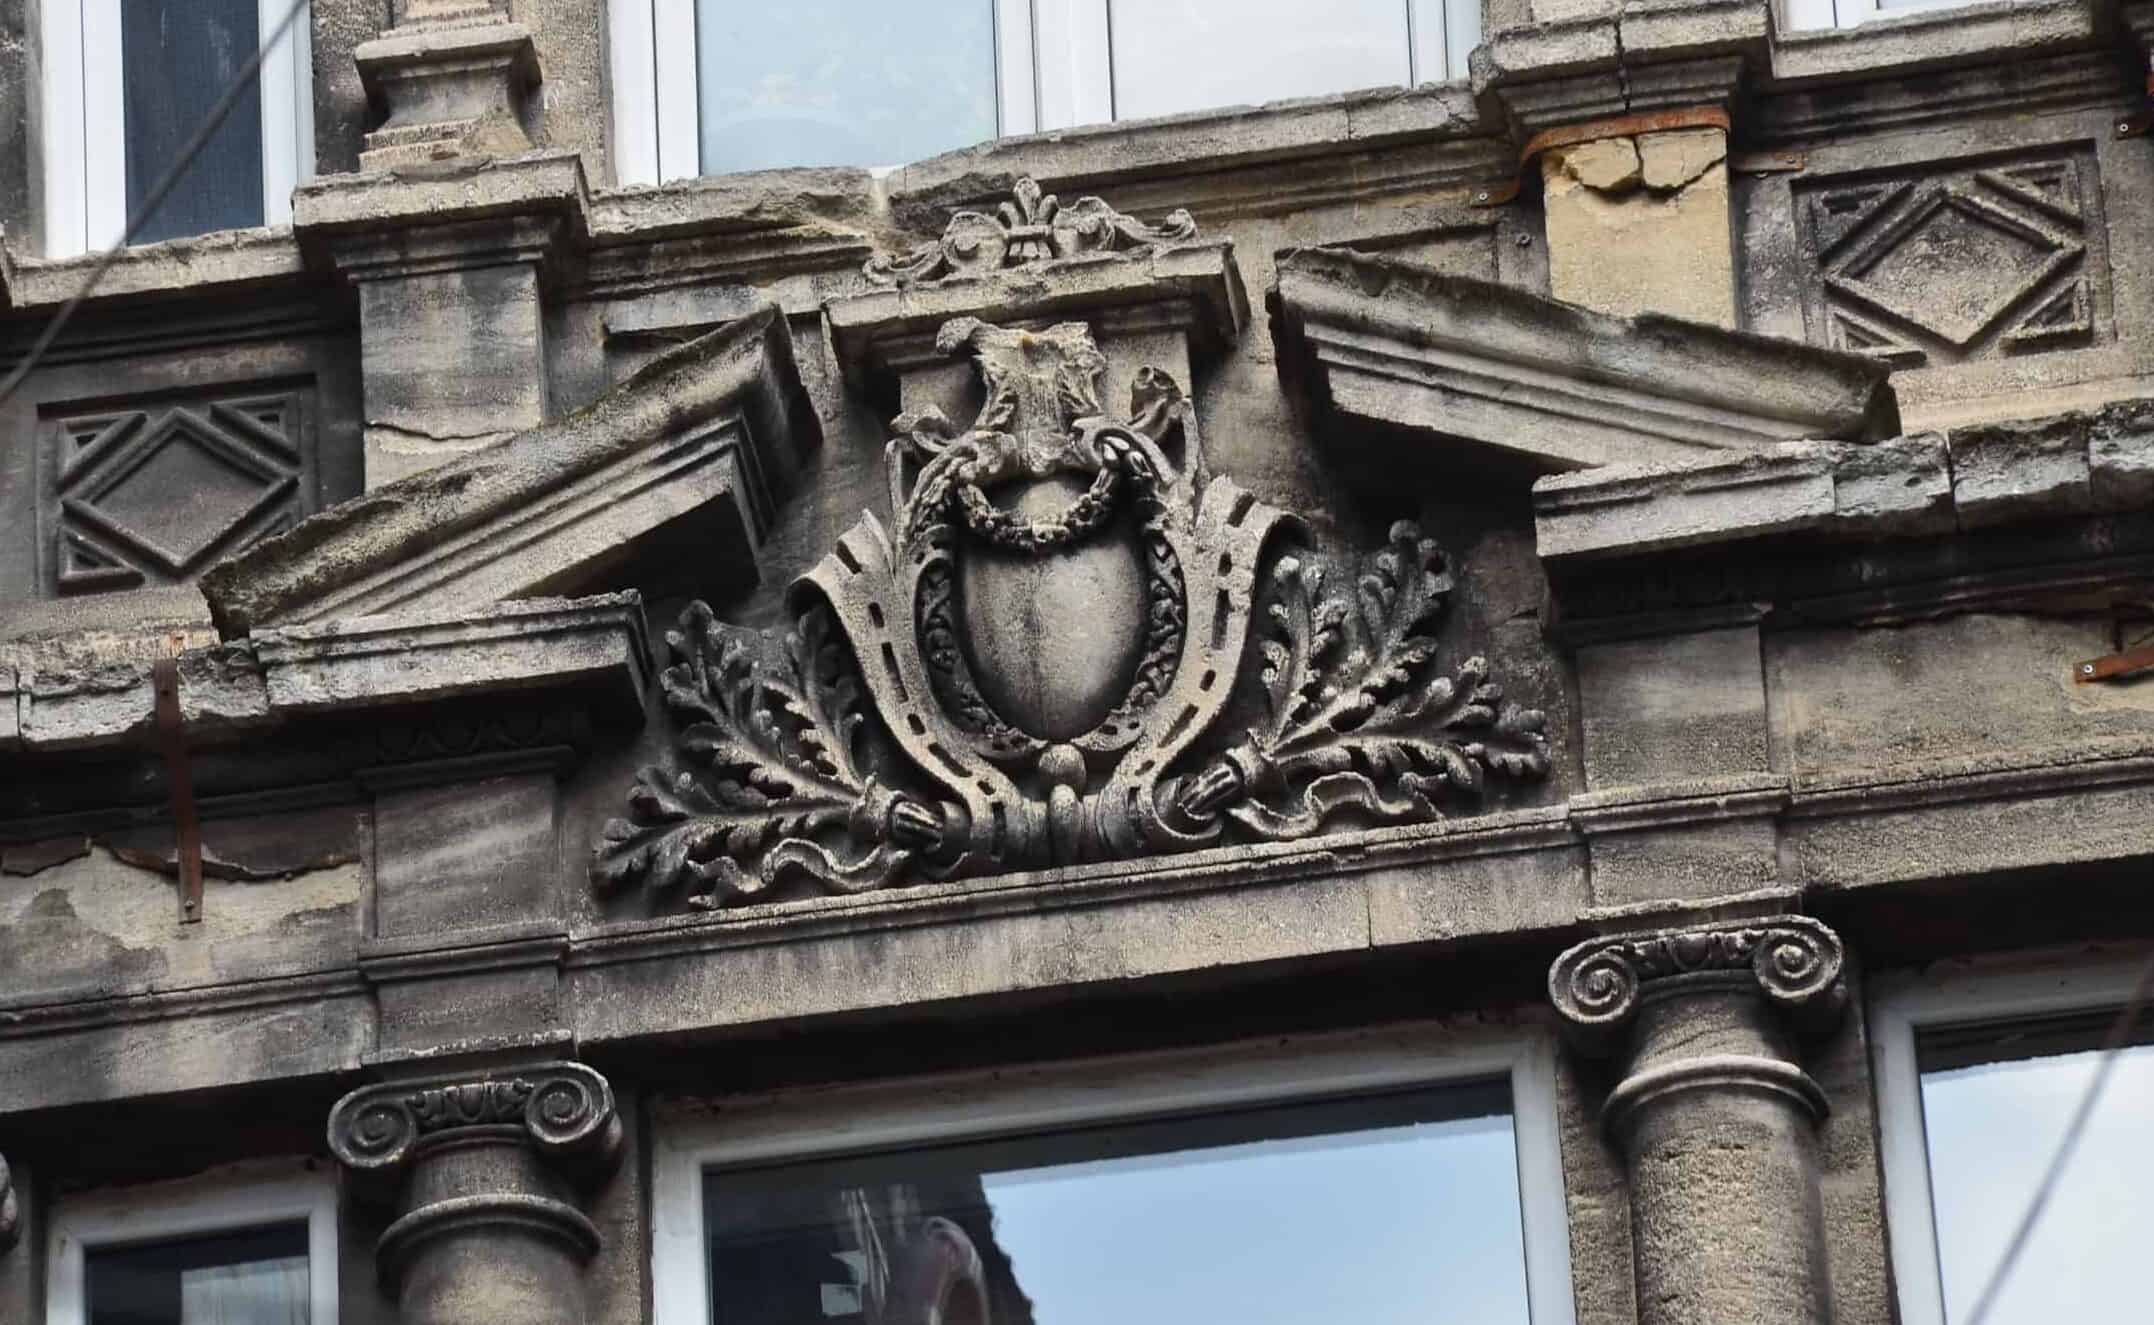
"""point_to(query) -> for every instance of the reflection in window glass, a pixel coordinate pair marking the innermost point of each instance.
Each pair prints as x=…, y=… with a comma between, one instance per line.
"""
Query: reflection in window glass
x=1991, y=1129
x=250, y=1277
x=179, y=56
x=842, y=83
x=1177, y=55
x=1393, y=1209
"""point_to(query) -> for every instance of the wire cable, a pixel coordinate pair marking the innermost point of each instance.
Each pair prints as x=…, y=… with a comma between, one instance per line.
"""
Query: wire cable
x=218, y=113
x=2112, y=1045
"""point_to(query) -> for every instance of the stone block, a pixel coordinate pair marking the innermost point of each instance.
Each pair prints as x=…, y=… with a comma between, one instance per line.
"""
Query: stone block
x=448, y=1010
x=2035, y=469
x=1684, y=863
x=595, y=646
x=11, y=701
x=2120, y=456
x=1629, y=509
x=1665, y=709
x=94, y=704
x=467, y=856
x=1623, y=249
x=484, y=321
x=1898, y=487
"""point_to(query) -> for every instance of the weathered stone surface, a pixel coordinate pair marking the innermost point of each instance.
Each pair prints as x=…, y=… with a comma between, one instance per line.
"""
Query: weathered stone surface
x=1673, y=708
x=1898, y=487
x=1637, y=227
x=550, y=494
x=1781, y=488
x=2016, y=471
x=2120, y=456
x=453, y=77
x=590, y=644
x=1570, y=388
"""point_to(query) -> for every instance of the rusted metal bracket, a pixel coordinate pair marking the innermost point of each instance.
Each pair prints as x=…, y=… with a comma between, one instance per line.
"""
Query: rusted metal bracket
x=1593, y=131
x=2113, y=666
x=172, y=739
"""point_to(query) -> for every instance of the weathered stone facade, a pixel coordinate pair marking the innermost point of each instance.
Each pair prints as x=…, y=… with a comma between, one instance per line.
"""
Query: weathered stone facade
x=1620, y=555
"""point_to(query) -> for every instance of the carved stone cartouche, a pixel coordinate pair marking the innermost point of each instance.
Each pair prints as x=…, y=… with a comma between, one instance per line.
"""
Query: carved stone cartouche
x=1047, y=658
x=1030, y=228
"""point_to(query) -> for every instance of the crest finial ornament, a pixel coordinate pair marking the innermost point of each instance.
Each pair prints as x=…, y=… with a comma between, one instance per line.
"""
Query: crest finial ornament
x=1030, y=228
x=1073, y=642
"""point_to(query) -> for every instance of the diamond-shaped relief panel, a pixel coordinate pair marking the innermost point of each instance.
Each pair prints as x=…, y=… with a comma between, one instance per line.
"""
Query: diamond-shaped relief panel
x=154, y=496
x=1941, y=263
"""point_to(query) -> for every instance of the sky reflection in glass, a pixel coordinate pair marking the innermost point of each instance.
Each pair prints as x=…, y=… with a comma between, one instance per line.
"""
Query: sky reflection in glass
x=1178, y=55
x=1258, y=1218
x=842, y=82
x=1991, y=1130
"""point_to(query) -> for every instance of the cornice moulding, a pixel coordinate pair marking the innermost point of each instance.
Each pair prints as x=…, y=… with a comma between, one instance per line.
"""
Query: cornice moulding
x=709, y=432
x=1390, y=342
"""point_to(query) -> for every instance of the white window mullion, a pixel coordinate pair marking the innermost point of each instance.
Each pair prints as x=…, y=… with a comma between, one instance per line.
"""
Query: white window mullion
x=673, y=34
x=287, y=110
x=1016, y=68
x=104, y=119
x=67, y=224
x=629, y=52
x=1076, y=66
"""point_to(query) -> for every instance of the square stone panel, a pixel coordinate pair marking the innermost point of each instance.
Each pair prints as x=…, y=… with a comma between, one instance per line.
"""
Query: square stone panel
x=1947, y=262
x=153, y=495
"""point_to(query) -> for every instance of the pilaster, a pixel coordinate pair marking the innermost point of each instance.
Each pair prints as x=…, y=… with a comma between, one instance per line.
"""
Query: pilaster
x=489, y=1171
x=1714, y=1115
x=1624, y=118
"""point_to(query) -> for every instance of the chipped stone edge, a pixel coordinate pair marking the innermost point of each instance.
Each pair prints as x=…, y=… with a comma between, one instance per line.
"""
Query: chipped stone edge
x=1965, y=479
x=600, y=643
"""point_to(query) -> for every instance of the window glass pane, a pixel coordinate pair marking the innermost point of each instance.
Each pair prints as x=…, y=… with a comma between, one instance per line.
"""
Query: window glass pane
x=1177, y=55
x=841, y=82
x=1394, y=1209
x=179, y=56
x=1991, y=1130
x=250, y=1277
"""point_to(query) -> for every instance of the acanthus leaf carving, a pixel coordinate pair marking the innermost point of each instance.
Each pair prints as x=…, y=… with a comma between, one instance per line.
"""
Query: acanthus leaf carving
x=1029, y=228
x=1073, y=642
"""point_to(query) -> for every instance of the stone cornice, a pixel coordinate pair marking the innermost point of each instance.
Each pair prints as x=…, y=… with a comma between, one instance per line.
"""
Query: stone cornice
x=1390, y=342
x=1456, y=886
x=712, y=430
x=596, y=648
x=1969, y=478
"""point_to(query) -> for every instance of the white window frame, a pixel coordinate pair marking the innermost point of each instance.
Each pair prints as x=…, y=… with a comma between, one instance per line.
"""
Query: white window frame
x=805, y=1125
x=1053, y=70
x=1816, y=15
x=214, y=1203
x=85, y=146
x=1904, y=1006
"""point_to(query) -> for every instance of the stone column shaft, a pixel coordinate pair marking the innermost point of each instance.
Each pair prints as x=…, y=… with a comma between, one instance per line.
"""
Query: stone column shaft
x=486, y=1167
x=1714, y=1116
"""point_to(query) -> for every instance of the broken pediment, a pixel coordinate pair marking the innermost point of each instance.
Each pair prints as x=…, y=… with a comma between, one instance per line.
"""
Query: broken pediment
x=1072, y=641
x=687, y=453
x=1387, y=342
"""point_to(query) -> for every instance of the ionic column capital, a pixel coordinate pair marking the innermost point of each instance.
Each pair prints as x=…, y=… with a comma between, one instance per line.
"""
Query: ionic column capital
x=564, y=1109
x=489, y=1171
x=1793, y=961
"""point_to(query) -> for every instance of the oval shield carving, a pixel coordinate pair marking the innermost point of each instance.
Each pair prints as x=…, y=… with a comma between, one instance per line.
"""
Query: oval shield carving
x=1053, y=640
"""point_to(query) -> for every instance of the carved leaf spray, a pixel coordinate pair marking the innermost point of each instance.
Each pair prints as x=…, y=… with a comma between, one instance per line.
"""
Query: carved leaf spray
x=1047, y=659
